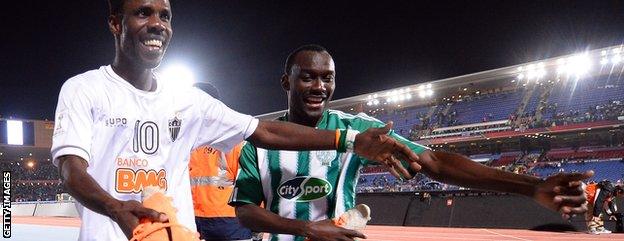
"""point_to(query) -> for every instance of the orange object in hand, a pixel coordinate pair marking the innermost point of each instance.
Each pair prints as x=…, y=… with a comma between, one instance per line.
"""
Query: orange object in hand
x=154, y=198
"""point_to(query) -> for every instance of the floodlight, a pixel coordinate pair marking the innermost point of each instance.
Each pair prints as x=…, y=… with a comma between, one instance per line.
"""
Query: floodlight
x=579, y=64
x=15, y=132
x=520, y=76
x=617, y=50
x=603, y=53
x=428, y=86
x=540, y=73
x=604, y=61
x=616, y=59
x=531, y=74
x=375, y=96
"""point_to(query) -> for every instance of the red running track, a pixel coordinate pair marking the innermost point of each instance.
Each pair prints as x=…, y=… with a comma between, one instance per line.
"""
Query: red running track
x=396, y=233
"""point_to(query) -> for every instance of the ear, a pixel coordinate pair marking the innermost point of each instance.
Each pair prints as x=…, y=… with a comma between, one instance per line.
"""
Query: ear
x=285, y=82
x=114, y=24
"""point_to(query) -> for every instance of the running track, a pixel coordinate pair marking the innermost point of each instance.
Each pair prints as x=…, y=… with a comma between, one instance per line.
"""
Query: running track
x=43, y=228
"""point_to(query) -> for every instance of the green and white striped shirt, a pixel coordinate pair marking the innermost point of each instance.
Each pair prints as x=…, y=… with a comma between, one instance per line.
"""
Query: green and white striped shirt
x=305, y=185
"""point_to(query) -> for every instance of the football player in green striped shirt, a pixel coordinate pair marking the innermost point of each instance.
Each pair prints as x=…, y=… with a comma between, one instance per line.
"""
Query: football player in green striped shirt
x=303, y=190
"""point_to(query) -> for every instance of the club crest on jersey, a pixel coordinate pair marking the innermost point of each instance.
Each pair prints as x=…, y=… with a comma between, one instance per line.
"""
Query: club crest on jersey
x=304, y=189
x=325, y=157
x=174, y=128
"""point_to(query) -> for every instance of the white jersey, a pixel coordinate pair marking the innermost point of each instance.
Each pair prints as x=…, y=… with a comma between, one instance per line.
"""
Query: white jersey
x=133, y=138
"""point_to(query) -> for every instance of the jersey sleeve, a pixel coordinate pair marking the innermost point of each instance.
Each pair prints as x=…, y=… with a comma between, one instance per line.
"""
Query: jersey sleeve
x=222, y=127
x=73, y=122
x=362, y=122
x=248, y=186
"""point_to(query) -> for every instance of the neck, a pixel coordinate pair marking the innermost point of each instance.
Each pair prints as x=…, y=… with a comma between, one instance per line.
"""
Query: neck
x=139, y=77
x=302, y=119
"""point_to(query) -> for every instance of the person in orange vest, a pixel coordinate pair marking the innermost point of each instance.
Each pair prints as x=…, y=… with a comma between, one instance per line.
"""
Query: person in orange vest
x=601, y=197
x=212, y=175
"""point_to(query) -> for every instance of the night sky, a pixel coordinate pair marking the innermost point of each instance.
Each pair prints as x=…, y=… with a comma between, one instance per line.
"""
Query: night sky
x=241, y=46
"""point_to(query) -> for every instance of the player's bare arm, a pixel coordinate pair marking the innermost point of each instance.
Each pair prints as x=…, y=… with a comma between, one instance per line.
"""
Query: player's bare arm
x=82, y=186
x=259, y=219
x=561, y=192
x=372, y=144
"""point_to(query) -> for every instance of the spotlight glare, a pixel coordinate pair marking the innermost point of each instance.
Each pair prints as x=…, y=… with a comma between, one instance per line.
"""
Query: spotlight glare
x=616, y=59
x=178, y=76
x=579, y=64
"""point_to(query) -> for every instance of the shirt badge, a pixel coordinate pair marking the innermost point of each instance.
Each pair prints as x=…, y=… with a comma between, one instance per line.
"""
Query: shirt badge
x=174, y=128
x=325, y=157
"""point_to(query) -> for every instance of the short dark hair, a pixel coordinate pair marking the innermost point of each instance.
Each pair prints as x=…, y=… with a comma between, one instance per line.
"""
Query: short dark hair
x=115, y=6
x=293, y=54
x=208, y=88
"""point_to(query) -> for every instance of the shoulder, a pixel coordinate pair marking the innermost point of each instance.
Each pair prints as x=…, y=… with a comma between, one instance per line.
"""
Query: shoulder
x=85, y=86
x=357, y=121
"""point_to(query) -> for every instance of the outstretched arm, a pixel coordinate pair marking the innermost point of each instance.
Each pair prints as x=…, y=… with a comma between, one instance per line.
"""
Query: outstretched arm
x=561, y=192
x=373, y=144
x=87, y=191
x=261, y=220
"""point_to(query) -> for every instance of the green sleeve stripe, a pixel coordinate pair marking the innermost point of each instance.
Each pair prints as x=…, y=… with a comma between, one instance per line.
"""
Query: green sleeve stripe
x=302, y=209
x=332, y=177
x=349, y=182
x=248, y=178
x=418, y=149
x=273, y=158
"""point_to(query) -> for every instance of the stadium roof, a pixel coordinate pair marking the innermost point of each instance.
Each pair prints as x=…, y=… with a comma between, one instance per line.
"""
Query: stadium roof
x=573, y=66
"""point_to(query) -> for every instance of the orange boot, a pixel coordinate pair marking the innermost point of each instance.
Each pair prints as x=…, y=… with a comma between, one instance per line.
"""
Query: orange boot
x=154, y=198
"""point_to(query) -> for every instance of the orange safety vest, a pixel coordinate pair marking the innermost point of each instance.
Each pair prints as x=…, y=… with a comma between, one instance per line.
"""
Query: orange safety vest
x=212, y=180
x=590, y=191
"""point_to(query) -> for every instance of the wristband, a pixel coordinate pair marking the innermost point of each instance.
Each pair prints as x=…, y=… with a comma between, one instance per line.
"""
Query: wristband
x=350, y=140
x=337, y=140
x=342, y=147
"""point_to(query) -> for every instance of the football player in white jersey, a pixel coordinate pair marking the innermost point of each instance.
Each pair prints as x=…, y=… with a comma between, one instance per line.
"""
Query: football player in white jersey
x=119, y=129
x=269, y=177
